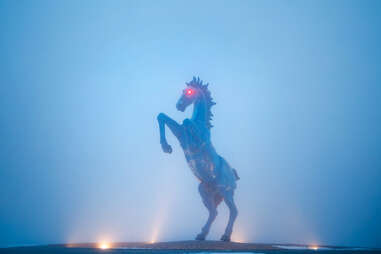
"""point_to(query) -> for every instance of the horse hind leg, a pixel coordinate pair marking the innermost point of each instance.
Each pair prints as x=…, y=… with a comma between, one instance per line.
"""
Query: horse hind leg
x=209, y=200
x=233, y=213
x=217, y=199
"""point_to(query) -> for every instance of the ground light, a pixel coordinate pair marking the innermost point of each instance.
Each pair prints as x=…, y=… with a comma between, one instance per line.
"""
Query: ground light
x=313, y=247
x=104, y=246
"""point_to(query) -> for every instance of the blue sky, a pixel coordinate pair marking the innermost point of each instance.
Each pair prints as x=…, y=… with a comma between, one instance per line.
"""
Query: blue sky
x=297, y=86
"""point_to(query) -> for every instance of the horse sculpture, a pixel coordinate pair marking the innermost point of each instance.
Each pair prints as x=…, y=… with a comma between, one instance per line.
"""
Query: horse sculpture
x=217, y=178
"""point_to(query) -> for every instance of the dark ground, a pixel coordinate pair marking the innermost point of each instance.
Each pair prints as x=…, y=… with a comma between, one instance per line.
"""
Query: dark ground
x=183, y=247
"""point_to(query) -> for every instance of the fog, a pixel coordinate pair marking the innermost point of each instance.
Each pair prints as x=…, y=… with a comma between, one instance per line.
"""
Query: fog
x=297, y=87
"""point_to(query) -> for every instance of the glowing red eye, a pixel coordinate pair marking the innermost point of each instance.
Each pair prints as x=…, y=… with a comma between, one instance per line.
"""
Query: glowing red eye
x=189, y=92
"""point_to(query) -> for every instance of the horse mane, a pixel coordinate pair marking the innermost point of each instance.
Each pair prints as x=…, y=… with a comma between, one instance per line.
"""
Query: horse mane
x=197, y=83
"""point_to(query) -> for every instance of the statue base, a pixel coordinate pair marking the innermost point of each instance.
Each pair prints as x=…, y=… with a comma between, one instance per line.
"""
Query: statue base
x=196, y=247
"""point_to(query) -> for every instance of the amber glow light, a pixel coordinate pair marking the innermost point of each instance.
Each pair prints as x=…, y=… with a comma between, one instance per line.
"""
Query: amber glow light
x=238, y=236
x=154, y=235
x=313, y=247
x=104, y=246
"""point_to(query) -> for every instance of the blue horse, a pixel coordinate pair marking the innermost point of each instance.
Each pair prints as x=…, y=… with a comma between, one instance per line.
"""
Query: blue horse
x=217, y=178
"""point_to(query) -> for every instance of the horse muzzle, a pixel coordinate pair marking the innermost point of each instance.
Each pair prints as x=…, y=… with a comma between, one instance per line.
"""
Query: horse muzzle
x=180, y=107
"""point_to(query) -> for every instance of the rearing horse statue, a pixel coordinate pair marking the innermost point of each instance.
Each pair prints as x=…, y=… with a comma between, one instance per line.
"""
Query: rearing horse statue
x=217, y=178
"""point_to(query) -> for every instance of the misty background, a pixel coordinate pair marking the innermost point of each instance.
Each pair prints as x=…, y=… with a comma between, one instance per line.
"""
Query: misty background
x=297, y=85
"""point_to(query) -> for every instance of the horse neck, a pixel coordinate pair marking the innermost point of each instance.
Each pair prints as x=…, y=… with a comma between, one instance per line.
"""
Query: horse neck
x=200, y=110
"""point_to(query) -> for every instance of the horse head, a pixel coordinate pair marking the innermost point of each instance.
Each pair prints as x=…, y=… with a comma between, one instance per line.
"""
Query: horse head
x=189, y=95
x=198, y=93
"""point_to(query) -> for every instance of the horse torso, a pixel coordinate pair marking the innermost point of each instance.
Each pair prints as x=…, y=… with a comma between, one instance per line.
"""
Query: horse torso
x=198, y=150
x=203, y=159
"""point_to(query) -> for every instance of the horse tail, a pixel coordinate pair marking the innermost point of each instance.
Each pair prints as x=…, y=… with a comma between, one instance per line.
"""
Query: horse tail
x=235, y=174
x=229, y=168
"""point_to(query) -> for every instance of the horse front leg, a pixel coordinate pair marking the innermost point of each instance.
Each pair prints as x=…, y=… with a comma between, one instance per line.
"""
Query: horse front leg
x=176, y=129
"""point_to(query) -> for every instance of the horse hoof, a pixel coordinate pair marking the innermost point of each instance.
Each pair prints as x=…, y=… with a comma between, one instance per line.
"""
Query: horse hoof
x=200, y=237
x=225, y=238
